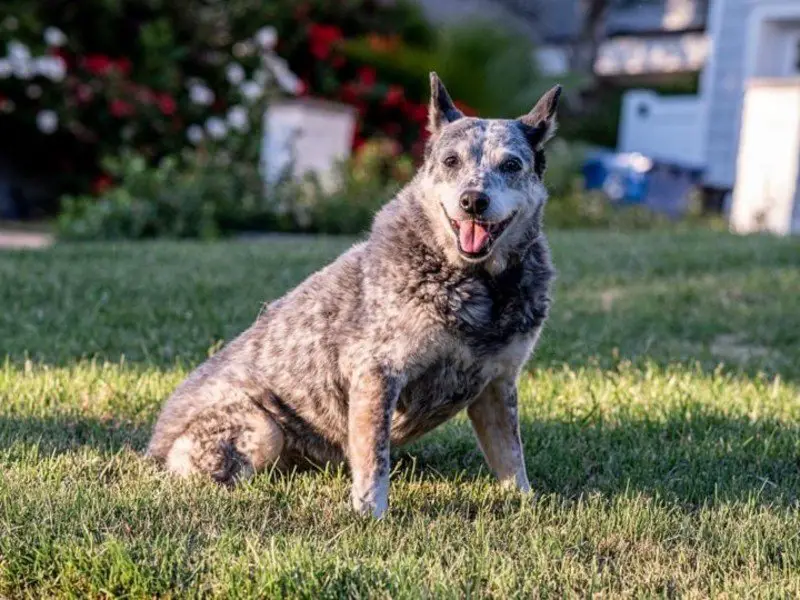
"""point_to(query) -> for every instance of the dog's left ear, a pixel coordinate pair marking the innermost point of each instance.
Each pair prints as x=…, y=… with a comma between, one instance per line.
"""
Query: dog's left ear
x=540, y=124
x=441, y=110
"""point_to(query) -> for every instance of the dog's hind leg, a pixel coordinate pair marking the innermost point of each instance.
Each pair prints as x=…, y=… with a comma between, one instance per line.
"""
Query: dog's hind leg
x=227, y=442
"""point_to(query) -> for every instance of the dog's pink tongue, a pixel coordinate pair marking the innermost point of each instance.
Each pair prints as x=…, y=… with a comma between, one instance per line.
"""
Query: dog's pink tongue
x=472, y=236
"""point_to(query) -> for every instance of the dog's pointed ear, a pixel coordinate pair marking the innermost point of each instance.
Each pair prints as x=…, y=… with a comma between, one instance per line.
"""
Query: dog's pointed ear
x=441, y=110
x=540, y=124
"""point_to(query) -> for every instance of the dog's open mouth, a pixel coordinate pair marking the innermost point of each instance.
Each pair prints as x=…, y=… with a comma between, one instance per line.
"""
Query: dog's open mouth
x=476, y=237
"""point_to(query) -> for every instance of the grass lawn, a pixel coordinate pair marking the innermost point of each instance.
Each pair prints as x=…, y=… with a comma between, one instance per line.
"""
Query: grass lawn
x=661, y=420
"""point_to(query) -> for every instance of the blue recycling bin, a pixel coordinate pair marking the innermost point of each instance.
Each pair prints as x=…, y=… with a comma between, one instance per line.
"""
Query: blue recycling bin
x=632, y=178
x=621, y=176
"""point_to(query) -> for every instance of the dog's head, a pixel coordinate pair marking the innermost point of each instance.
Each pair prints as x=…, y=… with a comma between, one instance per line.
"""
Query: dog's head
x=481, y=181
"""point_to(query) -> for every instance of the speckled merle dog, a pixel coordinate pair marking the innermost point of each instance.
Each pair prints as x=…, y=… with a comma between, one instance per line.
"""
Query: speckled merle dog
x=436, y=312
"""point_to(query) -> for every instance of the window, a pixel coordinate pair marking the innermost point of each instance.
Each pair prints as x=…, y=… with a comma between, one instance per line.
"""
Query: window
x=793, y=53
x=797, y=55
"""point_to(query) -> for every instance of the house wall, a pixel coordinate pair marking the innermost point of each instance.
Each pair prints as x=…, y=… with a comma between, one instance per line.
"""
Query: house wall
x=722, y=89
x=668, y=129
x=749, y=39
x=768, y=168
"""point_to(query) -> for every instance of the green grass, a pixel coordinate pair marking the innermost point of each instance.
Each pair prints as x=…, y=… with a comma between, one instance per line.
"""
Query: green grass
x=659, y=470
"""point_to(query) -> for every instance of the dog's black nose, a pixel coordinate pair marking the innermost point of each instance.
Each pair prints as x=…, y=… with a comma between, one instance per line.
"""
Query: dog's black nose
x=474, y=202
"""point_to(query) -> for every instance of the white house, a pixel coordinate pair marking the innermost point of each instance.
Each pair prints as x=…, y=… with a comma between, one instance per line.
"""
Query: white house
x=743, y=126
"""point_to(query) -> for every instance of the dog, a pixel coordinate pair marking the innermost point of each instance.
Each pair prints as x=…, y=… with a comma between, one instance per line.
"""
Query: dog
x=436, y=312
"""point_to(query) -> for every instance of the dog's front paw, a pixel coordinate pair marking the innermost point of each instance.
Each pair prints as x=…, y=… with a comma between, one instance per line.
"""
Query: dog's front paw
x=371, y=501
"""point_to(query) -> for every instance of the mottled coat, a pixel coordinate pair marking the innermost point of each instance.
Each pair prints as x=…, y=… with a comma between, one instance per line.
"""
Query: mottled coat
x=437, y=311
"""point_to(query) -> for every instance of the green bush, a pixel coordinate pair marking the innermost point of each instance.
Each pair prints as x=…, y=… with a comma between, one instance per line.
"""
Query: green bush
x=194, y=196
x=207, y=195
x=489, y=70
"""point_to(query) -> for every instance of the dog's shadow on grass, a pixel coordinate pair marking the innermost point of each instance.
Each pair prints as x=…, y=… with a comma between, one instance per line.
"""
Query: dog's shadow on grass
x=57, y=435
x=688, y=459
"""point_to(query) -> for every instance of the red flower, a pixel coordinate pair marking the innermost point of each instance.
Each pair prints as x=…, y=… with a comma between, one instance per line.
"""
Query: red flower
x=303, y=87
x=167, y=105
x=358, y=141
x=97, y=64
x=120, y=109
x=349, y=93
x=101, y=183
x=367, y=76
x=124, y=66
x=321, y=38
x=338, y=62
x=416, y=112
x=361, y=107
x=394, y=96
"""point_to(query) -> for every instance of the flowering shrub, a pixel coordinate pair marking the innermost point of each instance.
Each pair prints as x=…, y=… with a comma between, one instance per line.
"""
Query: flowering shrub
x=82, y=81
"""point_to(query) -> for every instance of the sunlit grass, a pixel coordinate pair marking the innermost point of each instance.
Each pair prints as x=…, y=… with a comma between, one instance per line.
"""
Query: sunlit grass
x=657, y=471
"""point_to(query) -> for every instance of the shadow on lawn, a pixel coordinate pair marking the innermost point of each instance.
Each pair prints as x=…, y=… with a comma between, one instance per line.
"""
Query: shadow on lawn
x=61, y=435
x=686, y=458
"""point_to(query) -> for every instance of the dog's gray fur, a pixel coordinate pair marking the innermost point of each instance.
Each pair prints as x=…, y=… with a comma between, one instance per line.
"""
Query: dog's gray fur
x=399, y=334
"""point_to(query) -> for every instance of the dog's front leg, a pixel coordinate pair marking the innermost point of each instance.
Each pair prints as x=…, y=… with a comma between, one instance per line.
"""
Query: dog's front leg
x=495, y=418
x=373, y=397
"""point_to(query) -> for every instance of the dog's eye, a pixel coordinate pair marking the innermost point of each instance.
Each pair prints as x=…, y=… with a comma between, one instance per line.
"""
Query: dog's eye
x=451, y=162
x=511, y=165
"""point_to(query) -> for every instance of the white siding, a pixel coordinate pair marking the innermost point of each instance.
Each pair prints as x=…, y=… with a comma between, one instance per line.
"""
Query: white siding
x=670, y=129
x=724, y=89
x=769, y=158
x=749, y=39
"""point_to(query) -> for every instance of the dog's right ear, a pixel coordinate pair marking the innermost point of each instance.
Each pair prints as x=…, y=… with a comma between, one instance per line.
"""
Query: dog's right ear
x=441, y=110
x=540, y=124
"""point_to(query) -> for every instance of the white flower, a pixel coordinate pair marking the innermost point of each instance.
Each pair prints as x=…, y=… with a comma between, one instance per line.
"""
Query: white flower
x=195, y=134
x=53, y=36
x=200, y=94
x=33, y=91
x=238, y=119
x=47, y=121
x=22, y=67
x=7, y=106
x=287, y=80
x=18, y=50
x=235, y=73
x=52, y=67
x=251, y=91
x=266, y=37
x=6, y=70
x=216, y=128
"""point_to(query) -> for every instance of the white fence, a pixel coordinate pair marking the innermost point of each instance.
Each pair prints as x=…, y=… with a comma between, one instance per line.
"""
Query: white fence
x=670, y=129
